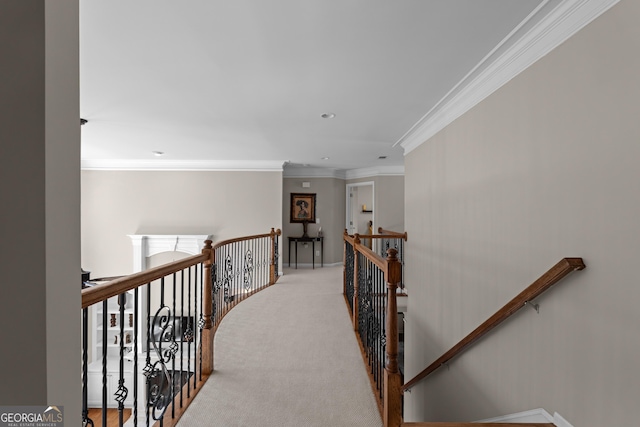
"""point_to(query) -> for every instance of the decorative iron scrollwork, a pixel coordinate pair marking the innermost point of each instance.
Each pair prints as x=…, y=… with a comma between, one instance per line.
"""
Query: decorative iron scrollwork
x=201, y=321
x=122, y=393
x=228, y=279
x=159, y=382
x=247, y=279
x=188, y=334
x=276, y=255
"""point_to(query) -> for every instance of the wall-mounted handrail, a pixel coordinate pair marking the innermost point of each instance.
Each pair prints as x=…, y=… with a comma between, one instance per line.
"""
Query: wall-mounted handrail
x=548, y=279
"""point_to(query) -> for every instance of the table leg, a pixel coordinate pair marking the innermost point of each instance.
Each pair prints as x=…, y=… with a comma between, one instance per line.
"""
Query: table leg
x=289, y=253
x=313, y=254
x=296, y=254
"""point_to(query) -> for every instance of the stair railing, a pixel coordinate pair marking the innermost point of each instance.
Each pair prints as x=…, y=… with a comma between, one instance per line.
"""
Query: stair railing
x=385, y=240
x=548, y=279
x=370, y=285
x=163, y=355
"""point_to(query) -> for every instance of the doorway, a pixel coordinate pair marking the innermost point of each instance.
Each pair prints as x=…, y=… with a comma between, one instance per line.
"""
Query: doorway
x=360, y=208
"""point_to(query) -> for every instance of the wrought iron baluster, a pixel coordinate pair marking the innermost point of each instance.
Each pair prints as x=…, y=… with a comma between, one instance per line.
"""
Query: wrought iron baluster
x=236, y=278
x=86, y=421
x=172, y=384
x=104, y=362
x=248, y=271
x=349, y=285
x=148, y=368
x=277, y=254
x=380, y=318
x=201, y=323
x=190, y=331
x=135, y=356
x=263, y=262
x=266, y=256
x=161, y=389
x=183, y=331
x=122, y=392
x=159, y=404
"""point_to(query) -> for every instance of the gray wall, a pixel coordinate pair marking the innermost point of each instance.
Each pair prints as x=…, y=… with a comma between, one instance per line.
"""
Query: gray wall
x=39, y=183
x=388, y=211
x=118, y=203
x=330, y=209
x=545, y=168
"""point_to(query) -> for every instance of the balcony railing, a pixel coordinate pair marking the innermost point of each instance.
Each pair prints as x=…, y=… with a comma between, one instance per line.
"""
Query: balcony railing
x=152, y=332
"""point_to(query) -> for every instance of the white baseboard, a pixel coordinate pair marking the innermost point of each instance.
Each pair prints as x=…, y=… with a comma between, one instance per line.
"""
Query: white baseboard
x=559, y=421
x=309, y=265
x=533, y=416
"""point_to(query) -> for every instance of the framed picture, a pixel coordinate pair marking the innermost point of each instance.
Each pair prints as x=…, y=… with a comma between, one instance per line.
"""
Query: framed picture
x=303, y=207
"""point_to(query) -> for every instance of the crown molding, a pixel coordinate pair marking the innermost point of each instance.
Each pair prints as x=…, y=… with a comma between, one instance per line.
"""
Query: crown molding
x=503, y=64
x=311, y=172
x=375, y=171
x=182, y=165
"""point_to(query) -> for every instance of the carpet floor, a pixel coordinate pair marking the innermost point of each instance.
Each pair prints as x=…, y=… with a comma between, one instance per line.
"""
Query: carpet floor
x=288, y=356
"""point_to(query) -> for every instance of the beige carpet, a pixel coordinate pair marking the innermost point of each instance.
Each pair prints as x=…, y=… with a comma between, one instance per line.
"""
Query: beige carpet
x=288, y=356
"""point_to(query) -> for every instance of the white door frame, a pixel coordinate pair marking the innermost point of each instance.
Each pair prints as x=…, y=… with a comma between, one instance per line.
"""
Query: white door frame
x=349, y=214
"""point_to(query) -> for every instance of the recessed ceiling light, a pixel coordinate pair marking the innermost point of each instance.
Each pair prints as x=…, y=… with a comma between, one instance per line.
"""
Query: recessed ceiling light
x=328, y=116
x=325, y=158
x=158, y=153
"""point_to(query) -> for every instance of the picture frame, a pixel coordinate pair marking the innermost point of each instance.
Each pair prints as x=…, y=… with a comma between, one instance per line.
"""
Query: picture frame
x=303, y=207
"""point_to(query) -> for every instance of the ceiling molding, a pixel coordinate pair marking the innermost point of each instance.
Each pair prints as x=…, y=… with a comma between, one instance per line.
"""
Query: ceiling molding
x=311, y=172
x=498, y=68
x=375, y=171
x=182, y=165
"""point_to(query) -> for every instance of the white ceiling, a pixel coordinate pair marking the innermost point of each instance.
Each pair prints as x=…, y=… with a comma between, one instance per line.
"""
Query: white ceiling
x=244, y=82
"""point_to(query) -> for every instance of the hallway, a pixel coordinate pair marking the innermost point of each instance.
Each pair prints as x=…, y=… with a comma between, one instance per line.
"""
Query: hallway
x=288, y=356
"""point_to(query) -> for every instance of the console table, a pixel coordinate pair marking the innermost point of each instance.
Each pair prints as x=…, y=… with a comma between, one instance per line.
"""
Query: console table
x=313, y=241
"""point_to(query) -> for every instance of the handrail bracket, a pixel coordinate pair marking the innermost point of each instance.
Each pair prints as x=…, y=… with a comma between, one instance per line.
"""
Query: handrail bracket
x=536, y=307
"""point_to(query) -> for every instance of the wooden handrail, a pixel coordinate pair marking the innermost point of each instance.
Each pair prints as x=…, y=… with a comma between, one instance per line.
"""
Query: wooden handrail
x=380, y=236
x=548, y=279
x=277, y=232
x=393, y=233
x=95, y=294
x=369, y=254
